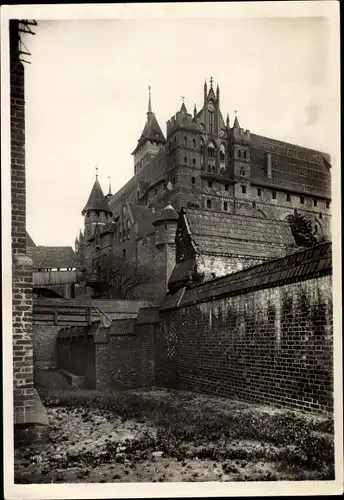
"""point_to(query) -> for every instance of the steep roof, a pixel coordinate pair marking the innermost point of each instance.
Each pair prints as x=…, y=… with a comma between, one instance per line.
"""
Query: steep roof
x=232, y=234
x=96, y=200
x=29, y=241
x=151, y=131
x=51, y=257
x=144, y=219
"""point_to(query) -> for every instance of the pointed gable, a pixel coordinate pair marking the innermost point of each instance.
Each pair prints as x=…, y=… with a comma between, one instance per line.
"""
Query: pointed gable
x=96, y=200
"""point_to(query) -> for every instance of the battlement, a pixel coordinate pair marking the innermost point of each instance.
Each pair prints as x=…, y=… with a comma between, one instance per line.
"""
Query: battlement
x=241, y=134
x=178, y=120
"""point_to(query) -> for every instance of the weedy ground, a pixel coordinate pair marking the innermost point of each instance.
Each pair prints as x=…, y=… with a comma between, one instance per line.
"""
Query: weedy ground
x=159, y=435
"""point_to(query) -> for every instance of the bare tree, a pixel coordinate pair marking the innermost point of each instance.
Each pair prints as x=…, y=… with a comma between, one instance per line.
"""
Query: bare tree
x=302, y=230
x=121, y=278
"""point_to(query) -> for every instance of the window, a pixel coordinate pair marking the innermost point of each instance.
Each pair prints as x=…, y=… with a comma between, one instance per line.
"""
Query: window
x=254, y=204
x=213, y=168
x=315, y=202
x=242, y=172
x=302, y=200
x=316, y=228
x=202, y=147
x=210, y=184
x=194, y=143
x=209, y=168
x=225, y=206
x=185, y=159
x=259, y=192
x=222, y=153
x=243, y=189
x=226, y=187
x=208, y=203
x=124, y=253
x=273, y=195
x=193, y=180
x=320, y=216
x=288, y=197
x=185, y=141
x=244, y=155
x=194, y=161
x=239, y=153
x=97, y=214
x=327, y=204
x=211, y=122
x=211, y=150
x=173, y=180
x=138, y=194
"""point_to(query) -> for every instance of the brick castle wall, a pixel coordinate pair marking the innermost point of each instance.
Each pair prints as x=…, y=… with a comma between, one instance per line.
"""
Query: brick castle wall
x=271, y=345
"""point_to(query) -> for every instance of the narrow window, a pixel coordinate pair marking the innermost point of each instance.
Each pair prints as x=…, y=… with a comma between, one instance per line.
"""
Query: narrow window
x=185, y=141
x=320, y=216
x=194, y=161
x=222, y=153
x=173, y=180
x=273, y=195
x=213, y=168
x=259, y=192
x=315, y=203
x=254, y=204
x=226, y=187
x=208, y=203
x=210, y=184
x=242, y=172
x=124, y=253
x=194, y=143
x=209, y=168
x=288, y=197
x=239, y=153
x=193, y=180
x=185, y=159
x=315, y=228
x=327, y=204
x=244, y=155
x=302, y=200
x=243, y=189
x=225, y=206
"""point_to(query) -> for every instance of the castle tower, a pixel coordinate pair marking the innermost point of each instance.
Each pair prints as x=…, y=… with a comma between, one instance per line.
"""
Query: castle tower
x=150, y=141
x=96, y=210
x=240, y=159
x=166, y=226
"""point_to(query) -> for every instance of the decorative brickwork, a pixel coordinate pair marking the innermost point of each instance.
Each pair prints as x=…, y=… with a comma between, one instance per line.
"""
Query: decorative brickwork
x=263, y=334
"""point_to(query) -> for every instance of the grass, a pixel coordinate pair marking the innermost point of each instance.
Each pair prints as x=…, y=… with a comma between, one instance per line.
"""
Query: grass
x=290, y=437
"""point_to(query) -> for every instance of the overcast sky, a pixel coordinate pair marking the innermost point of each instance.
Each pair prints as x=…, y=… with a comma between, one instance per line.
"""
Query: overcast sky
x=87, y=93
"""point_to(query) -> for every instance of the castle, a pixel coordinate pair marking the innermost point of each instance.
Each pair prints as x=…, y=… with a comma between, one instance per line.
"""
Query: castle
x=208, y=200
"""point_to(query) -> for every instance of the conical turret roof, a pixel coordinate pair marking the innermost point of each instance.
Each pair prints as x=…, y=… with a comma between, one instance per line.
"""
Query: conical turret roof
x=152, y=130
x=168, y=214
x=96, y=200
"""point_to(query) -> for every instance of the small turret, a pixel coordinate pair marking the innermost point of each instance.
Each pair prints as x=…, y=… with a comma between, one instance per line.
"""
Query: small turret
x=96, y=210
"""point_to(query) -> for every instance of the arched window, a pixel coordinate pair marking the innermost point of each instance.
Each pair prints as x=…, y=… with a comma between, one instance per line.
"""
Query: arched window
x=239, y=153
x=194, y=161
x=316, y=228
x=222, y=153
x=225, y=206
x=208, y=203
x=254, y=204
x=185, y=159
x=211, y=150
x=244, y=155
x=193, y=180
x=194, y=143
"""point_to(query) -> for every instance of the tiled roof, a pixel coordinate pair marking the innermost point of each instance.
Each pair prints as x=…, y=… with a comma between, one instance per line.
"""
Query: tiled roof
x=149, y=173
x=144, y=218
x=221, y=233
x=151, y=130
x=122, y=327
x=298, y=266
x=96, y=200
x=182, y=271
x=52, y=257
x=148, y=315
x=29, y=241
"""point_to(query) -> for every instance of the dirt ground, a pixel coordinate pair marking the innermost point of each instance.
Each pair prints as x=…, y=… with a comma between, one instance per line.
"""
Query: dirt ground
x=92, y=444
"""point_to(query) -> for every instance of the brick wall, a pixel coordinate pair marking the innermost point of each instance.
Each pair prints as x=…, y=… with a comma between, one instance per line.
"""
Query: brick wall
x=269, y=344
x=76, y=354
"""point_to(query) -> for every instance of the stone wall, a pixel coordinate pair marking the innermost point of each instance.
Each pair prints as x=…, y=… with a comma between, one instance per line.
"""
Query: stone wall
x=263, y=334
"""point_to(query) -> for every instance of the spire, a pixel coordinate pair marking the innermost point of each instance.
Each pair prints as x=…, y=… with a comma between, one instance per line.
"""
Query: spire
x=211, y=83
x=149, y=100
x=218, y=93
x=109, y=193
x=227, y=120
x=195, y=111
x=183, y=107
x=96, y=200
x=205, y=91
x=236, y=121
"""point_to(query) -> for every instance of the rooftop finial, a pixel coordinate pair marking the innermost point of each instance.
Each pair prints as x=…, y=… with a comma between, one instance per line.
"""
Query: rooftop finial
x=183, y=98
x=195, y=110
x=149, y=100
x=235, y=112
x=96, y=172
x=211, y=82
x=109, y=185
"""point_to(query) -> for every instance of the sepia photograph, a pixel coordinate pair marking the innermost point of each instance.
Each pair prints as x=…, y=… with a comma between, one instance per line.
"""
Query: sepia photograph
x=173, y=294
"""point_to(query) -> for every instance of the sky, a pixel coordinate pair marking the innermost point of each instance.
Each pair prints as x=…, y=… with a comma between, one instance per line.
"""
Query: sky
x=87, y=94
